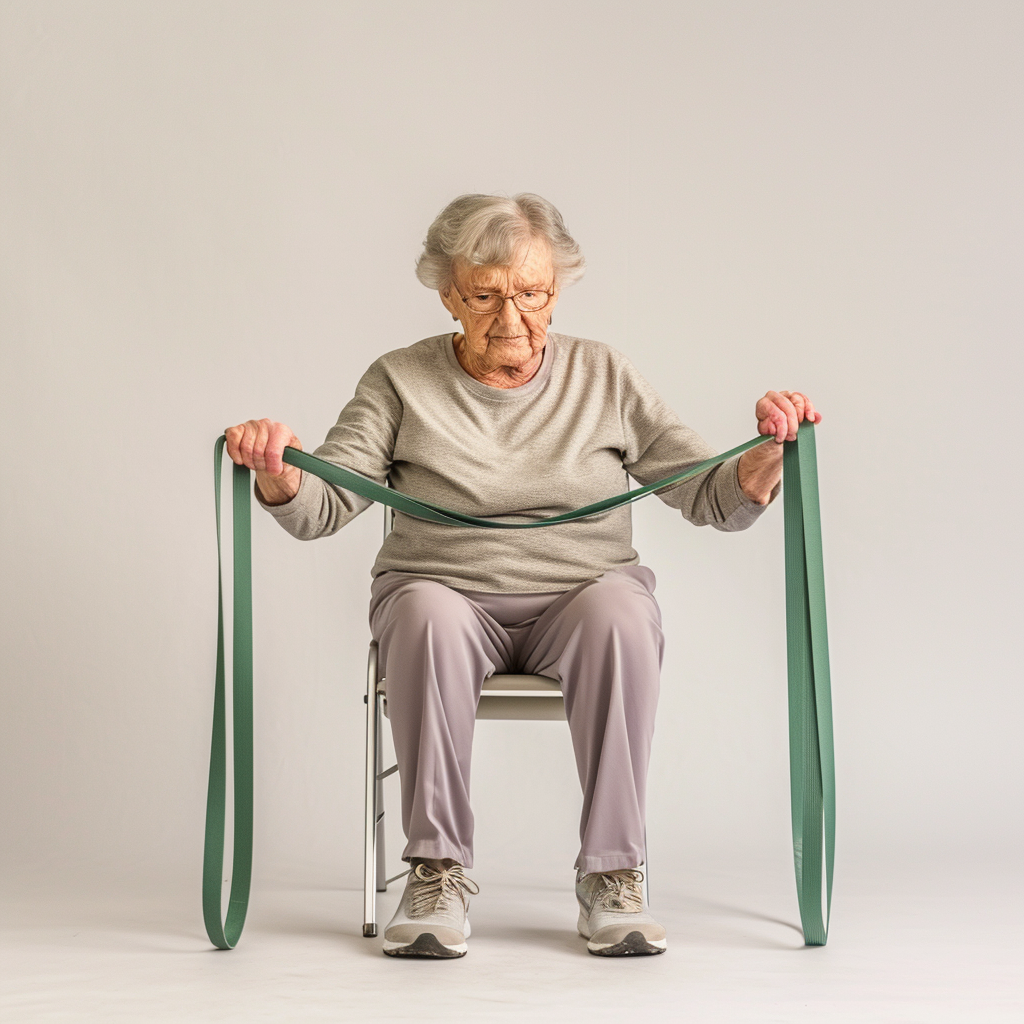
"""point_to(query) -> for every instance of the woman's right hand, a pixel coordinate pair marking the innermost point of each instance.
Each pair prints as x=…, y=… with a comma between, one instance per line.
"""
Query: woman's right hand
x=259, y=444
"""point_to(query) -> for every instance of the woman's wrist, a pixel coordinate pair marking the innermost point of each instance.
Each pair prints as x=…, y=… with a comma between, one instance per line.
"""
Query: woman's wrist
x=759, y=470
x=278, y=490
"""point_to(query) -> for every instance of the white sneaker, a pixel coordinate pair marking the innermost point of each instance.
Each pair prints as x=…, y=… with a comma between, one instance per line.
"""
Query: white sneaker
x=614, y=919
x=431, y=918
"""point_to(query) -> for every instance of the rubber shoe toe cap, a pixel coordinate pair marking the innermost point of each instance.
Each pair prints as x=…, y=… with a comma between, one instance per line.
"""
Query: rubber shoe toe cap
x=628, y=940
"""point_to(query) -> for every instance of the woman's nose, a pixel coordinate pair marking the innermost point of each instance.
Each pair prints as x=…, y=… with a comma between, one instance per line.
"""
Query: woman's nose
x=509, y=313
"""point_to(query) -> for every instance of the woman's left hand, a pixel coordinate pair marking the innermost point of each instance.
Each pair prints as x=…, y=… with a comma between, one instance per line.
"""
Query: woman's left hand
x=781, y=412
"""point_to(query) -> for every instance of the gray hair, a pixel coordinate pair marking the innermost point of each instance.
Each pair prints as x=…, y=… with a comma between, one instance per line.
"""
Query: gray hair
x=485, y=230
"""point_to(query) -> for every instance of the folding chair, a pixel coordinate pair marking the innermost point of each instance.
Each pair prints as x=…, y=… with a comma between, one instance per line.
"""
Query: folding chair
x=507, y=696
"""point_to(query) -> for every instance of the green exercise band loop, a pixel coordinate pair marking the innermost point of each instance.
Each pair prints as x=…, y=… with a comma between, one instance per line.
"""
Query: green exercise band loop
x=812, y=770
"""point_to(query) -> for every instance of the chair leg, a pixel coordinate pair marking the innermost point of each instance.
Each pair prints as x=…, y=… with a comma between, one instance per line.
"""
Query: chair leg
x=370, y=819
x=382, y=872
x=647, y=871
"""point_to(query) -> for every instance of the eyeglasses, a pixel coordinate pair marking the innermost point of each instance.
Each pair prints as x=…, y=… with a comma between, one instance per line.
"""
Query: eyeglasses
x=529, y=301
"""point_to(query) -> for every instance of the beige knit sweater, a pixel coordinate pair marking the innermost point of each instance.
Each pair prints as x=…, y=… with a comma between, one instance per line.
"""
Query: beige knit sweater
x=566, y=438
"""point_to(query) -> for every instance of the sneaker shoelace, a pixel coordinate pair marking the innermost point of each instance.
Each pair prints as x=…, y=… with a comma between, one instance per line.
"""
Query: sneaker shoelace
x=437, y=889
x=620, y=891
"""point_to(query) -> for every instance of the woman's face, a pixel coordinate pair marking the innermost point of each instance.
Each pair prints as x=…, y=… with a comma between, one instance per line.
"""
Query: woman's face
x=509, y=337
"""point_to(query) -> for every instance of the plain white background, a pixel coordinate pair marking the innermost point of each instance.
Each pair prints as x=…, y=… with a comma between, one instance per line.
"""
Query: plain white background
x=211, y=212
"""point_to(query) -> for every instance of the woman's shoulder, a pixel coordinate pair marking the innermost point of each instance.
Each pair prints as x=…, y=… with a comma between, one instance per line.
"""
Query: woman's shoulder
x=422, y=357
x=589, y=354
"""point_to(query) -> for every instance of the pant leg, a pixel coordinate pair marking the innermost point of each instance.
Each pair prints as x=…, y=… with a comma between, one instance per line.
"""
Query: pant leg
x=603, y=640
x=435, y=649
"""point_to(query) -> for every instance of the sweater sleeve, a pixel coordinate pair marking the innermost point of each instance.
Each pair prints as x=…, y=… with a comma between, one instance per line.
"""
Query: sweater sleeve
x=658, y=444
x=363, y=439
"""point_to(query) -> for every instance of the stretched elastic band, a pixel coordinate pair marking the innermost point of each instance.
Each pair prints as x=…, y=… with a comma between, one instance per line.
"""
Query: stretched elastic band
x=812, y=772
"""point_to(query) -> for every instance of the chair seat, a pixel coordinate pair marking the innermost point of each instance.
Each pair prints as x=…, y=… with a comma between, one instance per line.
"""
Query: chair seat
x=521, y=685
x=515, y=696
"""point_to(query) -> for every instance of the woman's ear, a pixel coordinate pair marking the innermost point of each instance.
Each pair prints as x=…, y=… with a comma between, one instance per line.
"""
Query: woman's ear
x=553, y=303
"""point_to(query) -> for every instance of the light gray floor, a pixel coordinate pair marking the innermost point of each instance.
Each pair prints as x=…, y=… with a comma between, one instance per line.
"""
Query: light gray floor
x=929, y=947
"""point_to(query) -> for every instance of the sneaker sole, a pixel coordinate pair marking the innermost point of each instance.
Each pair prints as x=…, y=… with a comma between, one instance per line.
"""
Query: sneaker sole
x=634, y=944
x=426, y=947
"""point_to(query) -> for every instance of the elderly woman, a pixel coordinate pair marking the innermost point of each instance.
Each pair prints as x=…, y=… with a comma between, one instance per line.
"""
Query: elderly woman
x=505, y=418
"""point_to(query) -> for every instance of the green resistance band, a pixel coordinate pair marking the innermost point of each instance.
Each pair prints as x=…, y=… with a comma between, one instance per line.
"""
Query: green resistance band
x=812, y=772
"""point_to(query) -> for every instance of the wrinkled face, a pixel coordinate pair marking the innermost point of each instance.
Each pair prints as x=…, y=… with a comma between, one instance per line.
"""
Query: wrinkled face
x=509, y=337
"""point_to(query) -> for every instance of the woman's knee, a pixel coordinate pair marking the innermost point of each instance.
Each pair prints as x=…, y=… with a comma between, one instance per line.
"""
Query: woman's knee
x=621, y=606
x=426, y=604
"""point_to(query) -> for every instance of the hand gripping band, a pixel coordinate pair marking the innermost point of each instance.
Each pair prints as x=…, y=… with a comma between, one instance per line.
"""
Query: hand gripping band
x=812, y=769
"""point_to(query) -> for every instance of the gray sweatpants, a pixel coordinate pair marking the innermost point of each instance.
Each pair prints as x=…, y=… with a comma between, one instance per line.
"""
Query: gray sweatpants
x=602, y=640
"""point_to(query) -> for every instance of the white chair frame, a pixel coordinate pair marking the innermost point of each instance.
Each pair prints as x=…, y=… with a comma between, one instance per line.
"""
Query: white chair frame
x=506, y=696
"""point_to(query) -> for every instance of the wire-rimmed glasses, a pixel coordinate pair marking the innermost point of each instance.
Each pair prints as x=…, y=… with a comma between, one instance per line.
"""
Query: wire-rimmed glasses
x=530, y=300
